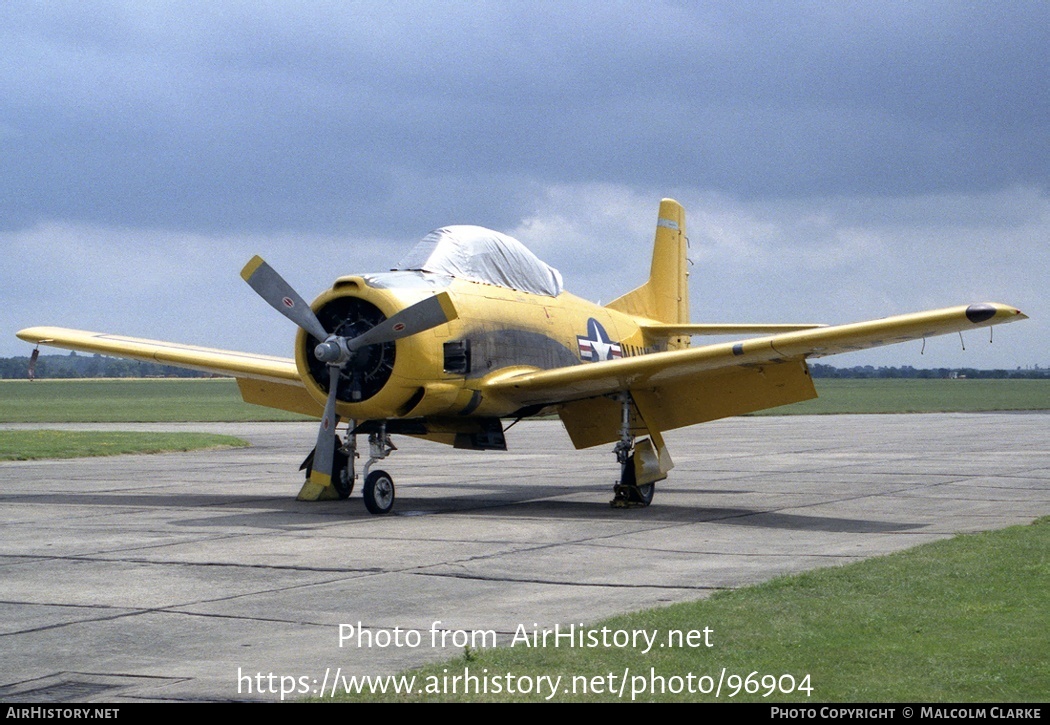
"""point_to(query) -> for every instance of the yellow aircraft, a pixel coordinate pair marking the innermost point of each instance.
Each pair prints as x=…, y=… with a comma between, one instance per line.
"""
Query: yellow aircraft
x=471, y=329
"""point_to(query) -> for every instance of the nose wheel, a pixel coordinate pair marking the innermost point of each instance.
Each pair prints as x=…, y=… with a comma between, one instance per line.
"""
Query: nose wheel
x=379, y=492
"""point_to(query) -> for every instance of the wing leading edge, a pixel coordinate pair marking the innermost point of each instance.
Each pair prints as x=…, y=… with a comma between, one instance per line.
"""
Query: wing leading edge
x=205, y=359
x=685, y=387
x=263, y=379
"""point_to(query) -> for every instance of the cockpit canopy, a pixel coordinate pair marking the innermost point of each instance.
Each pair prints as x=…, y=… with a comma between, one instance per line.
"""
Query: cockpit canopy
x=482, y=255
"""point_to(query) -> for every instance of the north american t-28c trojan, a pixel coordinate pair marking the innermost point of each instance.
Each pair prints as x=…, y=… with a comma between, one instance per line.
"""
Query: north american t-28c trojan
x=472, y=329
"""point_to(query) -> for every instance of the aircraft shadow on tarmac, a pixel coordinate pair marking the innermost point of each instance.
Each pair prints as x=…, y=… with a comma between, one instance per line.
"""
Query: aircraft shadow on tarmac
x=282, y=513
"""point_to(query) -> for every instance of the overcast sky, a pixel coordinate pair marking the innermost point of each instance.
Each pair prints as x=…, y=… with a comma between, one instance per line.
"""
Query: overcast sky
x=838, y=161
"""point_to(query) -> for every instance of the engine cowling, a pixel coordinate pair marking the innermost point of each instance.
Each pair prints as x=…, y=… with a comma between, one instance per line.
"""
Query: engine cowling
x=376, y=383
x=365, y=375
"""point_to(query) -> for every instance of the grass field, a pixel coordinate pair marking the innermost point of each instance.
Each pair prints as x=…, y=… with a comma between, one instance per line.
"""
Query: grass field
x=129, y=401
x=892, y=395
x=217, y=399
x=27, y=445
x=961, y=620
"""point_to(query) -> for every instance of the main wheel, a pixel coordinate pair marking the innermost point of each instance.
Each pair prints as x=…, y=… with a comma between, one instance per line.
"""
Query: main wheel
x=636, y=494
x=379, y=492
x=342, y=479
x=643, y=494
x=627, y=472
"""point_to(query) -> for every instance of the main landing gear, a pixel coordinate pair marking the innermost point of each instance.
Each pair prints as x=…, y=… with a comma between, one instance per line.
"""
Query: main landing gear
x=641, y=465
x=342, y=470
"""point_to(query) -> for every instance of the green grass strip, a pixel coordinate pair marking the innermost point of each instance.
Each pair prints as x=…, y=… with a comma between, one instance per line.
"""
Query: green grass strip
x=895, y=395
x=129, y=401
x=27, y=445
x=960, y=620
x=213, y=400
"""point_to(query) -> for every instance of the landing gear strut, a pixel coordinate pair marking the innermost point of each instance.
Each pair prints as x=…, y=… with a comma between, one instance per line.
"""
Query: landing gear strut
x=378, y=490
x=343, y=475
x=641, y=466
x=342, y=472
x=379, y=486
x=627, y=492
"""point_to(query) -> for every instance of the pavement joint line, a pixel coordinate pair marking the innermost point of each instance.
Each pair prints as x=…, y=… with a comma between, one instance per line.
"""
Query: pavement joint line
x=238, y=617
x=422, y=569
x=555, y=582
x=86, y=620
x=788, y=555
x=97, y=559
x=168, y=609
x=136, y=612
x=144, y=547
x=15, y=602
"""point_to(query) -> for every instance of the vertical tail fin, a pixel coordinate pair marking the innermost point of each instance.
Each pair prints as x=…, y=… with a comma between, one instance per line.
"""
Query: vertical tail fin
x=665, y=296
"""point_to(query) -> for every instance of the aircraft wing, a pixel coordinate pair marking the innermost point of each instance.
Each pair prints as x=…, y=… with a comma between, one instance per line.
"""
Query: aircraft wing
x=206, y=359
x=684, y=387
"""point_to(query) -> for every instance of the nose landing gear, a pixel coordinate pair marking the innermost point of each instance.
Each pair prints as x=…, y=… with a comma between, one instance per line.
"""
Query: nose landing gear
x=379, y=486
x=378, y=491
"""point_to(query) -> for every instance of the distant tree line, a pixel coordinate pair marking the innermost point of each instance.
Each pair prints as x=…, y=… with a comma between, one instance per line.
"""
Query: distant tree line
x=90, y=366
x=100, y=366
x=867, y=371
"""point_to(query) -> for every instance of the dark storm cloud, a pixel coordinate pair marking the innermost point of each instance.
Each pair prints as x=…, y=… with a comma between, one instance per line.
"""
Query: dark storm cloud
x=360, y=117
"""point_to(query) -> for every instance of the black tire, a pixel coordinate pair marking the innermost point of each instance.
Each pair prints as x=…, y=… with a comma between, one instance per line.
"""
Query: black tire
x=342, y=481
x=379, y=492
x=636, y=494
x=341, y=478
x=643, y=494
x=627, y=472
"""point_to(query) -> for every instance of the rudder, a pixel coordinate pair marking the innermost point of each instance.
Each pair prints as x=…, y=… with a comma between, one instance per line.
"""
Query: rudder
x=665, y=295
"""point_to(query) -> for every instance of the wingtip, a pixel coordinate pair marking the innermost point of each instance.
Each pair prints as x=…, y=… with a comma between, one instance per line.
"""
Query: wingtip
x=35, y=334
x=1009, y=313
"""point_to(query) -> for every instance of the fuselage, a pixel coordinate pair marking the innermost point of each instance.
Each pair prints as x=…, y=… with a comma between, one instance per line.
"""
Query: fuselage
x=441, y=372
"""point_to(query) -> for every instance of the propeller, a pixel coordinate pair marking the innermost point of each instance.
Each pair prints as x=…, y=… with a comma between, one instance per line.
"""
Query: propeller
x=280, y=295
x=335, y=350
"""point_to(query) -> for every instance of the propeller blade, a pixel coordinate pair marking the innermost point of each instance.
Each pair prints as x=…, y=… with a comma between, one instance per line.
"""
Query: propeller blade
x=262, y=278
x=431, y=312
x=324, y=452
